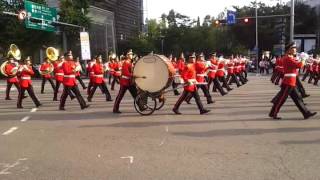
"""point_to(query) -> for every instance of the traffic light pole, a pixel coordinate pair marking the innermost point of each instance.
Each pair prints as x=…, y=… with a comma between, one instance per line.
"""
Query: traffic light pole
x=292, y=21
x=257, y=46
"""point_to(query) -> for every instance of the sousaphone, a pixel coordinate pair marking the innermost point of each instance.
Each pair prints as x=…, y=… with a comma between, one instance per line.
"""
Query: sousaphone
x=53, y=55
x=15, y=52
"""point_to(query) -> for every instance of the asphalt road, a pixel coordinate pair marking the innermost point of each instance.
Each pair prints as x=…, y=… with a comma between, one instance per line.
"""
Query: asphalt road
x=237, y=140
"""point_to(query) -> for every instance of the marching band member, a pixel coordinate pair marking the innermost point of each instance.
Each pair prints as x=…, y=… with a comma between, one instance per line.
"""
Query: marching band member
x=116, y=71
x=173, y=60
x=288, y=87
x=45, y=68
x=69, y=82
x=238, y=71
x=244, y=73
x=232, y=69
x=58, y=74
x=78, y=73
x=126, y=82
x=317, y=76
x=212, y=75
x=25, y=71
x=189, y=76
x=221, y=74
x=279, y=64
x=201, y=69
x=11, y=69
x=90, y=72
x=98, y=80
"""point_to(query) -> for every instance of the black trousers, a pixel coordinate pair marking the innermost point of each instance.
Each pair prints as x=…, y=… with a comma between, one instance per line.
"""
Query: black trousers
x=123, y=89
x=81, y=82
x=103, y=88
x=44, y=80
x=225, y=83
x=300, y=87
x=175, y=90
x=233, y=78
x=114, y=81
x=306, y=74
x=216, y=85
x=89, y=86
x=283, y=95
x=66, y=92
x=31, y=94
x=9, y=85
x=205, y=91
x=241, y=78
x=275, y=74
x=186, y=94
x=56, y=91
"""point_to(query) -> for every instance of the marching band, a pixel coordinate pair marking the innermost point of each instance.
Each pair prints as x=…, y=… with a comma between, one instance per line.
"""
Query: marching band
x=191, y=75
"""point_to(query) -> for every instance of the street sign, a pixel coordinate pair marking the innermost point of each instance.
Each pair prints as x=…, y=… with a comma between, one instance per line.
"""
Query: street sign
x=40, y=17
x=231, y=17
x=85, y=46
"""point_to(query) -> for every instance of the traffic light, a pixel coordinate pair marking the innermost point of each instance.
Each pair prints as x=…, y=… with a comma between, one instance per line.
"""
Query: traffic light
x=22, y=15
x=246, y=20
x=216, y=22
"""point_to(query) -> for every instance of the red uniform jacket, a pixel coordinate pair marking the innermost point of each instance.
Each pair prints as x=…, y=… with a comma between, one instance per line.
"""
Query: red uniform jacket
x=290, y=66
x=243, y=66
x=69, y=78
x=9, y=71
x=45, y=67
x=180, y=65
x=230, y=68
x=315, y=67
x=25, y=76
x=201, y=69
x=212, y=70
x=117, y=69
x=279, y=65
x=98, y=72
x=111, y=68
x=220, y=71
x=89, y=70
x=126, y=73
x=58, y=71
x=189, y=76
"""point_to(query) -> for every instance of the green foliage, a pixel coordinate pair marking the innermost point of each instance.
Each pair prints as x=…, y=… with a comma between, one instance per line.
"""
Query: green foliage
x=13, y=31
x=180, y=33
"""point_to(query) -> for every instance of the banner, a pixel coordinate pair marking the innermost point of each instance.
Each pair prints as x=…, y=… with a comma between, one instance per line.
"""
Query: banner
x=85, y=46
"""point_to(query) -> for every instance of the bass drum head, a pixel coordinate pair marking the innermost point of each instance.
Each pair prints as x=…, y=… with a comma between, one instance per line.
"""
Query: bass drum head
x=155, y=69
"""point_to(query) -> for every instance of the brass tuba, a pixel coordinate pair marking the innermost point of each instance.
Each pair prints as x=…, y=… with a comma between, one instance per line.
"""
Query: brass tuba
x=52, y=54
x=15, y=52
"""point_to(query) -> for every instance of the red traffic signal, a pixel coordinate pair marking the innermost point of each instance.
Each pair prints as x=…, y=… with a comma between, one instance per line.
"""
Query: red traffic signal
x=22, y=15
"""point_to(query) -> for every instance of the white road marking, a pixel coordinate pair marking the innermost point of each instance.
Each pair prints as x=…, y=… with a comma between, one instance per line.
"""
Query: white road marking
x=25, y=119
x=11, y=130
x=162, y=142
x=167, y=129
x=34, y=110
x=128, y=157
x=9, y=166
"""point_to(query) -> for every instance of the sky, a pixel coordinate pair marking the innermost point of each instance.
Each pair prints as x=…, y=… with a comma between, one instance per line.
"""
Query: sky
x=153, y=9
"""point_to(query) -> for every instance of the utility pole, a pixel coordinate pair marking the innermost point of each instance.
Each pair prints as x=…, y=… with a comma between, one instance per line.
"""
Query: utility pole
x=257, y=46
x=292, y=21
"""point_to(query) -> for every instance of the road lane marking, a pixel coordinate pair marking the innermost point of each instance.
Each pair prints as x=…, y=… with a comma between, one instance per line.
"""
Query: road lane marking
x=34, y=110
x=128, y=157
x=10, y=166
x=25, y=119
x=162, y=142
x=167, y=129
x=11, y=130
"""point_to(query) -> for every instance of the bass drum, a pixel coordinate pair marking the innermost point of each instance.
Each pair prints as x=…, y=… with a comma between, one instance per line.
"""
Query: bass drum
x=157, y=69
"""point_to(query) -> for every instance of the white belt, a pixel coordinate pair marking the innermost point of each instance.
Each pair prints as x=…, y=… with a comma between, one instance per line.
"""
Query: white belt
x=125, y=77
x=201, y=75
x=69, y=76
x=59, y=74
x=220, y=69
x=26, y=78
x=290, y=75
x=192, y=81
x=118, y=71
x=230, y=67
x=177, y=75
x=212, y=70
x=91, y=72
x=99, y=75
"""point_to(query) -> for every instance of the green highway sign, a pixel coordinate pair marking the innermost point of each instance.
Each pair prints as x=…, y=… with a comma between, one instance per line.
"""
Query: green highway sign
x=40, y=17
